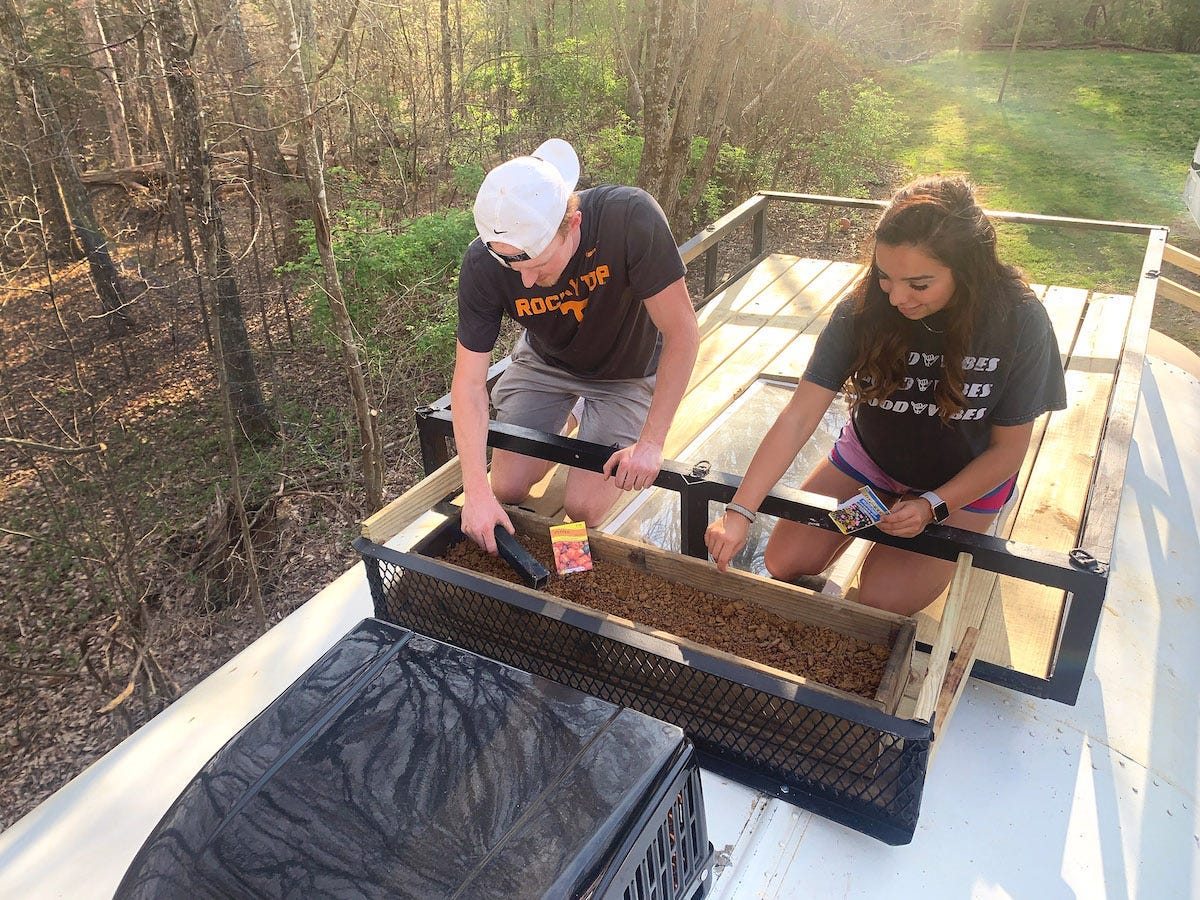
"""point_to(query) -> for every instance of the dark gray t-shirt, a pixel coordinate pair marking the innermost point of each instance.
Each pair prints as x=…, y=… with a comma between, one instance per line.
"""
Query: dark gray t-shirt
x=1012, y=375
x=592, y=323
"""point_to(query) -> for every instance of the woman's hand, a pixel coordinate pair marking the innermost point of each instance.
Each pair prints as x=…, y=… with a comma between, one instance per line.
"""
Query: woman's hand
x=725, y=537
x=908, y=517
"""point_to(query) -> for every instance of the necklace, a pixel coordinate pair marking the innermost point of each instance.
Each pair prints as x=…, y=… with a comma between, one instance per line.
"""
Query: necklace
x=927, y=328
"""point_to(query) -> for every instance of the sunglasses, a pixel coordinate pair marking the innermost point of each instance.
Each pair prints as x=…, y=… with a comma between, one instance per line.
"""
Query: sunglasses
x=505, y=259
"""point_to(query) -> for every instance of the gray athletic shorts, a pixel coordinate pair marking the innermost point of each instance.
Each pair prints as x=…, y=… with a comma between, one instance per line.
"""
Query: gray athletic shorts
x=533, y=394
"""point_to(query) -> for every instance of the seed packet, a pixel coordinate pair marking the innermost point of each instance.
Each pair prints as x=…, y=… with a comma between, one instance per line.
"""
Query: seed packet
x=571, y=550
x=861, y=511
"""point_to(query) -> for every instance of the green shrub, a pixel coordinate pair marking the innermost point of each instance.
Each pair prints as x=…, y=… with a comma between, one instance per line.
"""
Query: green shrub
x=615, y=154
x=396, y=281
x=468, y=178
x=843, y=159
x=570, y=90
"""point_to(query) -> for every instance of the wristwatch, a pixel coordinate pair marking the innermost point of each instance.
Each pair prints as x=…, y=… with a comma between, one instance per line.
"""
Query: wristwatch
x=941, y=512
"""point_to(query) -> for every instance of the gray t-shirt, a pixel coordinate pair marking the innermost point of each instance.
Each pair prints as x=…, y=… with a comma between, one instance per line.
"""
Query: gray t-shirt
x=592, y=322
x=1012, y=375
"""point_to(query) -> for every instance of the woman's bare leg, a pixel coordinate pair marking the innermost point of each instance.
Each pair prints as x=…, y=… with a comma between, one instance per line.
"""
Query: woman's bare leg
x=905, y=582
x=794, y=549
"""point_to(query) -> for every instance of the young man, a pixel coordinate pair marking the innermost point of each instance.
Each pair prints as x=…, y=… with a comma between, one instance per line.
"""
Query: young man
x=596, y=281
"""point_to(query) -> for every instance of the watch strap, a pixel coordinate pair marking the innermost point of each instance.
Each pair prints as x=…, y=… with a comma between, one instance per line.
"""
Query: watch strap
x=941, y=512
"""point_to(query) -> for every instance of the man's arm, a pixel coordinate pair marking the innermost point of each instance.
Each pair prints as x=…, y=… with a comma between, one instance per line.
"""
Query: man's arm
x=636, y=467
x=469, y=404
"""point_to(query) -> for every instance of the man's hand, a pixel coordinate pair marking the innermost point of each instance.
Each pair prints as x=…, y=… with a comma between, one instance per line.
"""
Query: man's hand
x=480, y=516
x=725, y=537
x=907, y=518
x=634, y=468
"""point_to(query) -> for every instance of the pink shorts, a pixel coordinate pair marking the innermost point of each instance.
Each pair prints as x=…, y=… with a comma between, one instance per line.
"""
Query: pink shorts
x=851, y=458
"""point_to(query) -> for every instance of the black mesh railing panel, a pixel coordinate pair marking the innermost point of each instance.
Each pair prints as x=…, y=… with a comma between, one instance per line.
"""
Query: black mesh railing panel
x=863, y=776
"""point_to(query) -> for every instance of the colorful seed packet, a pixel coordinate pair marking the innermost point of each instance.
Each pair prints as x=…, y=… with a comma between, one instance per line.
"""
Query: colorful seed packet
x=572, y=552
x=861, y=511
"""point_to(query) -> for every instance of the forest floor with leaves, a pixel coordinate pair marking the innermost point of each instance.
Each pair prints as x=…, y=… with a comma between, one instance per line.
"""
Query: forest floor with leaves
x=130, y=554
x=127, y=560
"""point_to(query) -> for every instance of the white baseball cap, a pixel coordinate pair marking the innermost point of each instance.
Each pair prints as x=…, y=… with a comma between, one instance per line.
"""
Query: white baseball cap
x=522, y=202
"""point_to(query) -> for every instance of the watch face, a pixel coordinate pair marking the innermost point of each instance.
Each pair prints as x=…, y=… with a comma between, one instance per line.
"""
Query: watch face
x=941, y=512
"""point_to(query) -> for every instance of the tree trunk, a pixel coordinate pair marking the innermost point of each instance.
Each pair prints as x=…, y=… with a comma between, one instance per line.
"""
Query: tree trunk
x=47, y=199
x=658, y=81
x=505, y=67
x=75, y=195
x=459, y=43
x=245, y=392
x=16, y=187
x=629, y=58
x=447, y=63
x=249, y=108
x=351, y=66
x=106, y=71
x=690, y=66
x=711, y=67
x=175, y=204
x=370, y=451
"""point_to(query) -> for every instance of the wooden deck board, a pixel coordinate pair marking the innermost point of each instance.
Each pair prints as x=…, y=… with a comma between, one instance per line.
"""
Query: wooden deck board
x=747, y=341
x=730, y=356
x=1065, y=306
x=1021, y=631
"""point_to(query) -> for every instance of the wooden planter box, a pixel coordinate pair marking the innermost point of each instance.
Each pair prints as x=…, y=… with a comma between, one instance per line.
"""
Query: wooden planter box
x=852, y=620
x=849, y=758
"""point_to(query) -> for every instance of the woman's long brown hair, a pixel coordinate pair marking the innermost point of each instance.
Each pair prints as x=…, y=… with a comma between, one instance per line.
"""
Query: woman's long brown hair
x=939, y=216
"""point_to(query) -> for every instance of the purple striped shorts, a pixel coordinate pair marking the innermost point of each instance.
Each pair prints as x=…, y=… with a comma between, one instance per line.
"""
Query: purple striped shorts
x=851, y=458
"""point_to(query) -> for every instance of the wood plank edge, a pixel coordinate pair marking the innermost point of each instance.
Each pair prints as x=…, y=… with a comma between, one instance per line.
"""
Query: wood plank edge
x=952, y=687
x=405, y=509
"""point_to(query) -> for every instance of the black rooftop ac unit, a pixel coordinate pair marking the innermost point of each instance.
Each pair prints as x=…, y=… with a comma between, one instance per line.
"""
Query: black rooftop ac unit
x=399, y=766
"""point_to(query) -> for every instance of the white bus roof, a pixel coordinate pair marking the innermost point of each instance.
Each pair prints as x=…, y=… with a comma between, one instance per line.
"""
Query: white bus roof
x=1028, y=798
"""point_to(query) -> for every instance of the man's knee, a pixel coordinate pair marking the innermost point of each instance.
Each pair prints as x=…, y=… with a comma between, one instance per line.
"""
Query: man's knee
x=509, y=493
x=587, y=510
x=589, y=500
x=512, y=483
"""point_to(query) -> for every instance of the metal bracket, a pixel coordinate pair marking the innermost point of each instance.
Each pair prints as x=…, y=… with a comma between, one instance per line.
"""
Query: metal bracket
x=1081, y=559
x=699, y=472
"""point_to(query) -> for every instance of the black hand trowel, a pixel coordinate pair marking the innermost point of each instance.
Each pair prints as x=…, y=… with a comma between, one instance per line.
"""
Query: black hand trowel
x=532, y=572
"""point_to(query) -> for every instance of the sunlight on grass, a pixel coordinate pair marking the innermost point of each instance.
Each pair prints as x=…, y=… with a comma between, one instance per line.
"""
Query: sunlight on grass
x=949, y=127
x=1086, y=134
x=1096, y=101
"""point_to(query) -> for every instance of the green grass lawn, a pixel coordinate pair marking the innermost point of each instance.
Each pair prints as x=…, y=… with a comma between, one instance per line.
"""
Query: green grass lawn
x=1092, y=134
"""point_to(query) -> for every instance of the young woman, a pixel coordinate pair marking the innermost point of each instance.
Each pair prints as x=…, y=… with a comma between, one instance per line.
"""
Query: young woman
x=947, y=359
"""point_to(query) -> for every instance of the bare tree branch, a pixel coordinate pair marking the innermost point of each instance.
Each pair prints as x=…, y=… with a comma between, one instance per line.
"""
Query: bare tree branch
x=51, y=448
x=630, y=71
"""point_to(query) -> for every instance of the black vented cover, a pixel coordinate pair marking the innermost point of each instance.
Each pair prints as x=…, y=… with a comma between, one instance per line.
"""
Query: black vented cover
x=399, y=766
